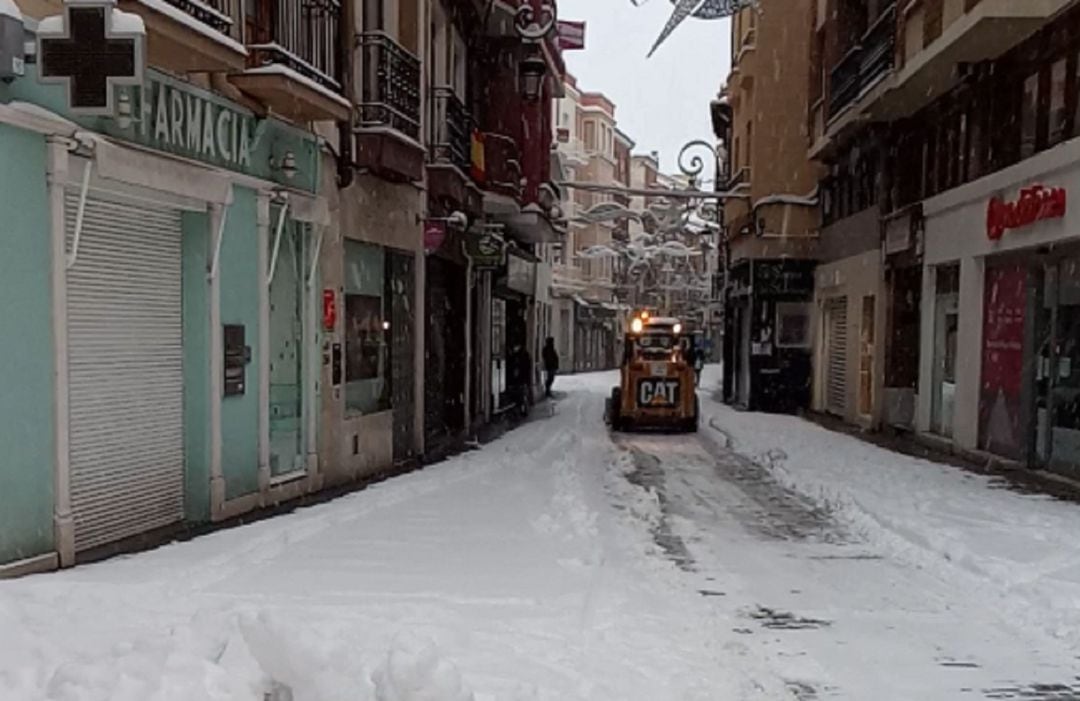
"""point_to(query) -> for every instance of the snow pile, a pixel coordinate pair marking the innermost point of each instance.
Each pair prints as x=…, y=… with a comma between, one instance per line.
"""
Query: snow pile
x=415, y=671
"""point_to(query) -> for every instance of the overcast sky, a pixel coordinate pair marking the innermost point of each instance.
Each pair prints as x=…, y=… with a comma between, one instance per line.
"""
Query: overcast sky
x=661, y=102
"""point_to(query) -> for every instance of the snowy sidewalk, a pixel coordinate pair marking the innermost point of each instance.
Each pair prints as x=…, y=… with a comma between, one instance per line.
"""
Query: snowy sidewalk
x=1021, y=551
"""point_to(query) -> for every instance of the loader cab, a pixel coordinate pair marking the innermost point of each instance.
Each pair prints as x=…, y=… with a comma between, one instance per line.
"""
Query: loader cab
x=656, y=385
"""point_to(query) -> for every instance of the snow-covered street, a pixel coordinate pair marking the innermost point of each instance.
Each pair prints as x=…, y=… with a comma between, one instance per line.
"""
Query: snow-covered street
x=765, y=558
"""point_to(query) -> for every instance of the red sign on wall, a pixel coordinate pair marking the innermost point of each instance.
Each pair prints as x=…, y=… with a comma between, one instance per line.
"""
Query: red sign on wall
x=329, y=310
x=1035, y=203
x=1000, y=399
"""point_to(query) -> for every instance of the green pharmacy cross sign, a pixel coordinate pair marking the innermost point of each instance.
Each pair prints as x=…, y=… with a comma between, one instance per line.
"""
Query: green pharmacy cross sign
x=91, y=49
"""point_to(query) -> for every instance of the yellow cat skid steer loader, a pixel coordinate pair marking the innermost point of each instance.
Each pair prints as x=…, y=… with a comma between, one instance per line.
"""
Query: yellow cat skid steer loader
x=656, y=385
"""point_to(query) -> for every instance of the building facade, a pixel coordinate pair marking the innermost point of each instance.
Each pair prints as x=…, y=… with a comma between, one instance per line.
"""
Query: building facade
x=948, y=127
x=231, y=271
x=588, y=322
x=770, y=213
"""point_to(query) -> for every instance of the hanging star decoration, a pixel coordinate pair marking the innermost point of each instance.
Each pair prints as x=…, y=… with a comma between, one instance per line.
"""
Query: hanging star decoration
x=700, y=9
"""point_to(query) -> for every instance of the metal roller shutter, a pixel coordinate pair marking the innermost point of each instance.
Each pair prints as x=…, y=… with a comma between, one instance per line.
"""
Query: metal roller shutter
x=836, y=368
x=125, y=354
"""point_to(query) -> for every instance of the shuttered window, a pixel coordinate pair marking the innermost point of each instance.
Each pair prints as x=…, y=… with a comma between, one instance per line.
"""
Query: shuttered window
x=836, y=362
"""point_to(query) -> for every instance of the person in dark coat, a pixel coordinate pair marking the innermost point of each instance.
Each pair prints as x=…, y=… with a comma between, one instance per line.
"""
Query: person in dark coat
x=521, y=377
x=551, y=364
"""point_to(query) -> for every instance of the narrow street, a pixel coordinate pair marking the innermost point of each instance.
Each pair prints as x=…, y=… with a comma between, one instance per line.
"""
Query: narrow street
x=560, y=563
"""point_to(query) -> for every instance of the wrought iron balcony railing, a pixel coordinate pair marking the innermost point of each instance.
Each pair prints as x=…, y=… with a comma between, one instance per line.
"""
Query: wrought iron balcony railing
x=452, y=124
x=303, y=35
x=221, y=15
x=502, y=163
x=865, y=63
x=740, y=179
x=879, y=47
x=844, y=81
x=390, y=94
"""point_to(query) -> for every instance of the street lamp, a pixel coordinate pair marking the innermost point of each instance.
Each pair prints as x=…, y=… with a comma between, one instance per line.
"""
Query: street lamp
x=532, y=70
x=533, y=25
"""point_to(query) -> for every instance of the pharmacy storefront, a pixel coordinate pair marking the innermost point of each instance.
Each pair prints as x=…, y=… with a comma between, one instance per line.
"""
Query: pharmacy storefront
x=177, y=316
x=1000, y=350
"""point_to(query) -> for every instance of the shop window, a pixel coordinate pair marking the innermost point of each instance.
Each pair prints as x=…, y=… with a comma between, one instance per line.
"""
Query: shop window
x=1029, y=117
x=1058, y=112
x=792, y=325
x=367, y=324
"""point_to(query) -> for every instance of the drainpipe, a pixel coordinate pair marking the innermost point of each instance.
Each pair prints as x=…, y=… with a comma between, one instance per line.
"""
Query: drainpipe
x=346, y=32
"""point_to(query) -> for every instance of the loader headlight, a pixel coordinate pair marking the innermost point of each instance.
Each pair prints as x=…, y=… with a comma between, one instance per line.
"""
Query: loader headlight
x=677, y=329
x=637, y=325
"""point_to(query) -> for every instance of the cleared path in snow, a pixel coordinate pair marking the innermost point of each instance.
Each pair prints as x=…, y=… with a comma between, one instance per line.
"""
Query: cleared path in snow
x=560, y=563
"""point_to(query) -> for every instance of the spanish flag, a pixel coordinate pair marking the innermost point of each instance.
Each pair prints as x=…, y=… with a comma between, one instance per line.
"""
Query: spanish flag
x=479, y=169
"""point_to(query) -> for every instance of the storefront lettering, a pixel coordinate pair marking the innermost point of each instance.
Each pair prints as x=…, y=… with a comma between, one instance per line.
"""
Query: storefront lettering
x=191, y=125
x=1035, y=204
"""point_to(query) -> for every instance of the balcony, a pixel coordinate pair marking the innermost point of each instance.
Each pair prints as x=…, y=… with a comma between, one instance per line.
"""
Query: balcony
x=865, y=66
x=388, y=116
x=747, y=48
x=980, y=32
x=186, y=36
x=450, y=169
x=452, y=140
x=740, y=182
x=294, y=61
x=502, y=172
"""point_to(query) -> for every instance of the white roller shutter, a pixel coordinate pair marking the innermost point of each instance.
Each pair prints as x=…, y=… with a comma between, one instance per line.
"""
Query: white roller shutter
x=125, y=373
x=836, y=363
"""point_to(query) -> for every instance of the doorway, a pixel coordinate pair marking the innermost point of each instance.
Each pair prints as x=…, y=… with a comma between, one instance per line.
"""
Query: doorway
x=946, y=328
x=742, y=356
x=1058, y=375
x=866, y=356
x=286, y=351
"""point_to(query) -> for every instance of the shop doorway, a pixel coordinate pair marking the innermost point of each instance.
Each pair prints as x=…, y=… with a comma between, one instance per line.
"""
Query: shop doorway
x=286, y=350
x=946, y=328
x=866, y=356
x=1058, y=373
x=742, y=356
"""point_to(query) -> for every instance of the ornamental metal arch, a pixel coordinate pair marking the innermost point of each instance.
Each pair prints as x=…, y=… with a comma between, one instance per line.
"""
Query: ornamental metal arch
x=699, y=9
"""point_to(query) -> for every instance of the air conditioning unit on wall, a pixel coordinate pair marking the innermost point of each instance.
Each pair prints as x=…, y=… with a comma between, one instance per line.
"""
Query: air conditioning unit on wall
x=12, y=41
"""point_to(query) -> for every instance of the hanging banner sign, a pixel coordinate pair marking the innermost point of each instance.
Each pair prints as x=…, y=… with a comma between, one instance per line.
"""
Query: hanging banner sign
x=486, y=250
x=1035, y=204
x=434, y=235
x=477, y=163
x=571, y=35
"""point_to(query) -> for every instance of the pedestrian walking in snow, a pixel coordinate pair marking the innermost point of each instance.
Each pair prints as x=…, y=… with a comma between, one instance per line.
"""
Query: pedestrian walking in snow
x=551, y=365
x=521, y=378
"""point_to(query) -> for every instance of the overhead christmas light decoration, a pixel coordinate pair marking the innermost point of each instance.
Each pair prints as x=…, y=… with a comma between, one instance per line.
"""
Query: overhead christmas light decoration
x=699, y=9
